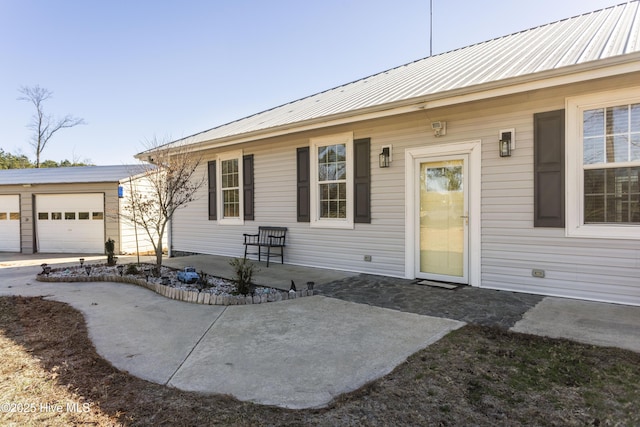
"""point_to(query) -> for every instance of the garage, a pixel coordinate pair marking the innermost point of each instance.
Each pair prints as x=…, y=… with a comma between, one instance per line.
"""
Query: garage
x=10, y=223
x=70, y=223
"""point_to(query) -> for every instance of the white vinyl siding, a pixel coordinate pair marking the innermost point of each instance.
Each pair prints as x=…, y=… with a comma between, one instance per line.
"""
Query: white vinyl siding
x=10, y=223
x=594, y=269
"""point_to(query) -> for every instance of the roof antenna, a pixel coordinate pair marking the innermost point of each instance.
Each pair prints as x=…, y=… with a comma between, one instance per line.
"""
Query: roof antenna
x=431, y=28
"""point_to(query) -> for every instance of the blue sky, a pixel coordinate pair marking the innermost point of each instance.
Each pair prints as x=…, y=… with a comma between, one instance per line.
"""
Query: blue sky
x=139, y=69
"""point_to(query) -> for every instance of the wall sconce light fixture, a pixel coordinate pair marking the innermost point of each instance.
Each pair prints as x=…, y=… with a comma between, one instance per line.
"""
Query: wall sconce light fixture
x=507, y=142
x=385, y=156
x=439, y=128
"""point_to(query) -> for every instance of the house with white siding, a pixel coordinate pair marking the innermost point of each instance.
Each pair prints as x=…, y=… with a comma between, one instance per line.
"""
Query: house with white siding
x=511, y=164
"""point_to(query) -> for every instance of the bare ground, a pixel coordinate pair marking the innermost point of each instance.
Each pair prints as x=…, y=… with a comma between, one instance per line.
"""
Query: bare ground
x=50, y=374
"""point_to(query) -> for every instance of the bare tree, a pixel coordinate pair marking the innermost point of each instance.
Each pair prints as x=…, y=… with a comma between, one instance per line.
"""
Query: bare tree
x=159, y=189
x=44, y=126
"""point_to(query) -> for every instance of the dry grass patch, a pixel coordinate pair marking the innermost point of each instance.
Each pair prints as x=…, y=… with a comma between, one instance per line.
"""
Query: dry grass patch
x=474, y=376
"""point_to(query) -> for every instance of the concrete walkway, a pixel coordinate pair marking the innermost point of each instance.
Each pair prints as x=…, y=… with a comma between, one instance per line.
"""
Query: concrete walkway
x=299, y=353
x=296, y=354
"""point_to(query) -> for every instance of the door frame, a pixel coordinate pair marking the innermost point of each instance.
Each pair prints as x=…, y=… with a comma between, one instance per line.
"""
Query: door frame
x=473, y=150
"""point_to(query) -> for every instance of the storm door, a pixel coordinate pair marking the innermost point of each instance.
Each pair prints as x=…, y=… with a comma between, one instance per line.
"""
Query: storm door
x=443, y=219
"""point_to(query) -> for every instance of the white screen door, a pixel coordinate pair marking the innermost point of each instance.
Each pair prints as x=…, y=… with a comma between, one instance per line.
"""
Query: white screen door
x=443, y=219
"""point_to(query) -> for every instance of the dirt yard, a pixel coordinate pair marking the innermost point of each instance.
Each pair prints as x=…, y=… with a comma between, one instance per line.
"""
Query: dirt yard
x=50, y=374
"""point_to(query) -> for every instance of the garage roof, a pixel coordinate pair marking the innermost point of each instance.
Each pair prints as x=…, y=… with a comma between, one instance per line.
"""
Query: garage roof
x=71, y=175
x=576, y=43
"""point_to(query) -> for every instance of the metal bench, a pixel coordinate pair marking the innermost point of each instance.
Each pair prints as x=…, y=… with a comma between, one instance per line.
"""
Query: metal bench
x=267, y=237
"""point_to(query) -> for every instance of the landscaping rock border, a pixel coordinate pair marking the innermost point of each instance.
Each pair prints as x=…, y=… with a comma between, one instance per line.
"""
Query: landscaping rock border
x=184, y=295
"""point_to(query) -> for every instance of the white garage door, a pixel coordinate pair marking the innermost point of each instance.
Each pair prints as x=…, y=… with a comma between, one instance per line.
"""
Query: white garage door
x=70, y=223
x=10, y=223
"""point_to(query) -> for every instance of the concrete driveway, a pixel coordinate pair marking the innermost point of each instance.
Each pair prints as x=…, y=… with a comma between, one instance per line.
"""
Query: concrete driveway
x=296, y=354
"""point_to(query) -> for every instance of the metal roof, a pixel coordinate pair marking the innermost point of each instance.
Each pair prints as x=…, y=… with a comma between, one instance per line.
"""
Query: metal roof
x=71, y=175
x=594, y=36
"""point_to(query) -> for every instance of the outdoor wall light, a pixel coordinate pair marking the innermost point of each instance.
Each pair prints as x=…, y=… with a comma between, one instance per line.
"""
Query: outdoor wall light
x=385, y=156
x=88, y=270
x=506, y=142
x=81, y=261
x=439, y=128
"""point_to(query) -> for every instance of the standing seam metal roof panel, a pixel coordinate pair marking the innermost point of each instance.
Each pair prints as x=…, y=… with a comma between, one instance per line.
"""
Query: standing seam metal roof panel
x=69, y=175
x=590, y=37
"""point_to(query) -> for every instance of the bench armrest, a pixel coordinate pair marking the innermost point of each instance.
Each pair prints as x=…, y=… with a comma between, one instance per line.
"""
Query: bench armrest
x=251, y=239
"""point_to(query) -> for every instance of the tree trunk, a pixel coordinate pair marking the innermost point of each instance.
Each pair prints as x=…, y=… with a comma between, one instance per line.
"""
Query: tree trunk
x=159, y=256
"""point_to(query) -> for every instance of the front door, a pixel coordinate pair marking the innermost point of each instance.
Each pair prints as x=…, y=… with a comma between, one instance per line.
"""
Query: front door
x=442, y=218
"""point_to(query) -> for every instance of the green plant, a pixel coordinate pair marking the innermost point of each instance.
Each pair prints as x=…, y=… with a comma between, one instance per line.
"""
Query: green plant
x=243, y=270
x=131, y=269
x=204, y=280
x=109, y=248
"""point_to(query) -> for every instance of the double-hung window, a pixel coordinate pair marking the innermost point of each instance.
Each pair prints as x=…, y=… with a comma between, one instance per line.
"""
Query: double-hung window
x=604, y=165
x=230, y=188
x=332, y=181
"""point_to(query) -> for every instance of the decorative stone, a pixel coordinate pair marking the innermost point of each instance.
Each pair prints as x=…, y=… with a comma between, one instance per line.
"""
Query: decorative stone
x=248, y=299
x=200, y=298
x=309, y=292
x=263, y=298
x=206, y=298
x=278, y=296
x=292, y=295
x=256, y=299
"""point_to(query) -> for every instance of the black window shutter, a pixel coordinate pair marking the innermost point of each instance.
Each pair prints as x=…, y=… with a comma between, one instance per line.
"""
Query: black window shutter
x=362, y=180
x=548, y=155
x=247, y=185
x=213, y=211
x=304, y=185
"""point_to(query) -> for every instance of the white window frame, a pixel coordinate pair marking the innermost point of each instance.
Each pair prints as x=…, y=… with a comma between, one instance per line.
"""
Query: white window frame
x=344, y=223
x=222, y=220
x=575, y=106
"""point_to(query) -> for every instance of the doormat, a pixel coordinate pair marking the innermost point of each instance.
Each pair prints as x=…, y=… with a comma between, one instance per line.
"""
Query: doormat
x=438, y=284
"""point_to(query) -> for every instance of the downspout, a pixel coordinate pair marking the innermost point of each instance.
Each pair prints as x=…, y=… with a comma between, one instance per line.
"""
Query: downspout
x=169, y=238
x=135, y=226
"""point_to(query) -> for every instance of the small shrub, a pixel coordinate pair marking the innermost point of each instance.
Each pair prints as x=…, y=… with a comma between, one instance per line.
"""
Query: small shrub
x=243, y=270
x=109, y=248
x=204, y=280
x=131, y=269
